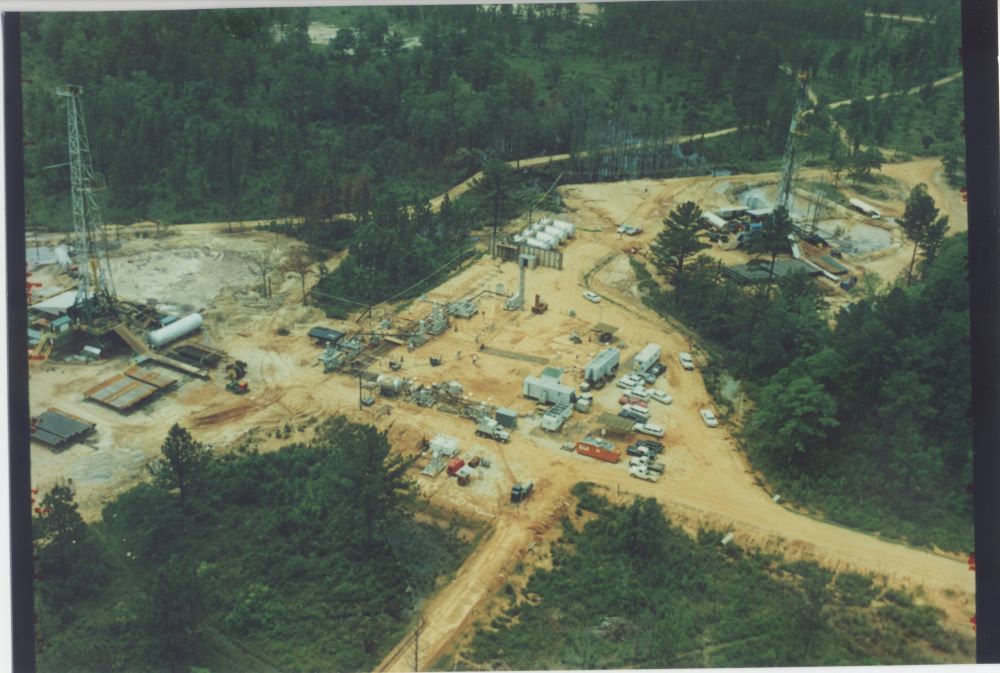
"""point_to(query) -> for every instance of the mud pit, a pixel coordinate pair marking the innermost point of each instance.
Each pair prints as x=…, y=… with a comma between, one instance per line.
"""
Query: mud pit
x=707, y=479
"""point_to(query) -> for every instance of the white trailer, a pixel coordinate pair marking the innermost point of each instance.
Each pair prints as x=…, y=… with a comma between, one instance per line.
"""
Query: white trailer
x=646, y=358
x=866, y=209
x=602, y=366
x=547, y=390
x=555, y=417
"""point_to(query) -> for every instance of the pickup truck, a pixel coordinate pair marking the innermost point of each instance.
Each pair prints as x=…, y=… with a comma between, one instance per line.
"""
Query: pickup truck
x=646, y=464
x=641, y=473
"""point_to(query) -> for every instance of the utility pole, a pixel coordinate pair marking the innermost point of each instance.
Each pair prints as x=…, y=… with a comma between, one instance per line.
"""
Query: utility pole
x=416, y=645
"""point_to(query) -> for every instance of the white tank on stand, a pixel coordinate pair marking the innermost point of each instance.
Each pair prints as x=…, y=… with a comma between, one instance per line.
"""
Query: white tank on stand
x=175, y=330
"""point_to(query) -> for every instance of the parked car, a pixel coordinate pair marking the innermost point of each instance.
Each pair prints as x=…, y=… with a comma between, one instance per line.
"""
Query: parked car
x=632, y=416
x=642, y=473
x=649, y=429
x=628, y=381
x=848, y=283
x=661, y=396
x=651, y=444
x=592, y=296
x=709, y=418
x=629, y=230
x=638, y=450
x=650, y=378
x=657, y=368
x=631, y=399
x=642, y=411
x=640, y=392
x=687, y=362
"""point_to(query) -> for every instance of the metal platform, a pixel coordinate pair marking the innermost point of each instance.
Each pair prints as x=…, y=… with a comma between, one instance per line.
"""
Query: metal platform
x=59, y=428
x=124, y=391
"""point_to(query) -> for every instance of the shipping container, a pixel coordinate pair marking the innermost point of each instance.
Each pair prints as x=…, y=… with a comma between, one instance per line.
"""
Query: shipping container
x=454, y=466
x=596, y=448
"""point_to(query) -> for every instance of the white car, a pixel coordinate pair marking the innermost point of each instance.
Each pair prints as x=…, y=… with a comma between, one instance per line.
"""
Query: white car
x=592, y=296
x=643, y=473
x=640, y=392
x=648, y=429
x=628, y=381
x=643, y=412
x=687, y=362
x=661, y=396
x=709, y=418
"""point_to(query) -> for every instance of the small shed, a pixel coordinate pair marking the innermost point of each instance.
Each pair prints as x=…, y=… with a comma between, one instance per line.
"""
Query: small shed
x=325, y=335
x=506, y=417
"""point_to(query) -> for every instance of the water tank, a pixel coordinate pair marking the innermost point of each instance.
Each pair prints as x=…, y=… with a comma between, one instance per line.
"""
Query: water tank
x=62, y=257
x=175, y=330
x=536, y=243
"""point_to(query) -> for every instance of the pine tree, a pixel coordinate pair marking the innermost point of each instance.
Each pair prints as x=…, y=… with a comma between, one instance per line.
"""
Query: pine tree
x=679, y=239
x=183, y=462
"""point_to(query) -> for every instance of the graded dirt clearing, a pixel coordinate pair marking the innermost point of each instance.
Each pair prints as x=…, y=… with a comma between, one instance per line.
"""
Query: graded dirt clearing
x=707, y=480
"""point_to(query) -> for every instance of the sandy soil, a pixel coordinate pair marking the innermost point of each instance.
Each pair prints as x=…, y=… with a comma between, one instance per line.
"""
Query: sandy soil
x=707, y=480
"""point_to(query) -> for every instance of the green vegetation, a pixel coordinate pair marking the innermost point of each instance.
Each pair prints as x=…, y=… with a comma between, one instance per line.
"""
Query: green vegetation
x=305, y=559
x=235, y=114
x=865, y=421
x=629, y=590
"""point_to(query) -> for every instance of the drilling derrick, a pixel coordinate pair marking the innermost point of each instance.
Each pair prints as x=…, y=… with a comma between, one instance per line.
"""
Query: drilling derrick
x=95, y=296
x=788, y=161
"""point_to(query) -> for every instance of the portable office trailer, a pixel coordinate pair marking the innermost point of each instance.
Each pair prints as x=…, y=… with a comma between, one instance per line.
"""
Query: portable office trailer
x=602, y=366
x=646, y=358
x=556, y=416
x=547, y=390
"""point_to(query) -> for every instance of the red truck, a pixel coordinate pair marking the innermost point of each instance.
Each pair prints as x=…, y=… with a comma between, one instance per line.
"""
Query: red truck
x=454, y=466
x=596, y=448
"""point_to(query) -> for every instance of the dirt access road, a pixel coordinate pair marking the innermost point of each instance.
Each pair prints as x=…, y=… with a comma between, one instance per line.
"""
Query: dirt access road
x=707, y=481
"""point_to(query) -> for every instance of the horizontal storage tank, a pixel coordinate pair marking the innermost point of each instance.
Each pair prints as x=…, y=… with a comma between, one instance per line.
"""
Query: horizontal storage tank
x=558, y=233
x=519, y=238
x=568, y=227
x=535, y=243
x=175, y=330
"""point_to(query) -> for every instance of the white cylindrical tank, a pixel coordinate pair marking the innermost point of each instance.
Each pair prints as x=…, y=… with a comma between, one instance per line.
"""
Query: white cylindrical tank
x=518, y=238
x=535, y=228
x=175, y=330
x=556, y=232
x=568, y=227
x=63, y=258
x=547, y=239
x=536, y=243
